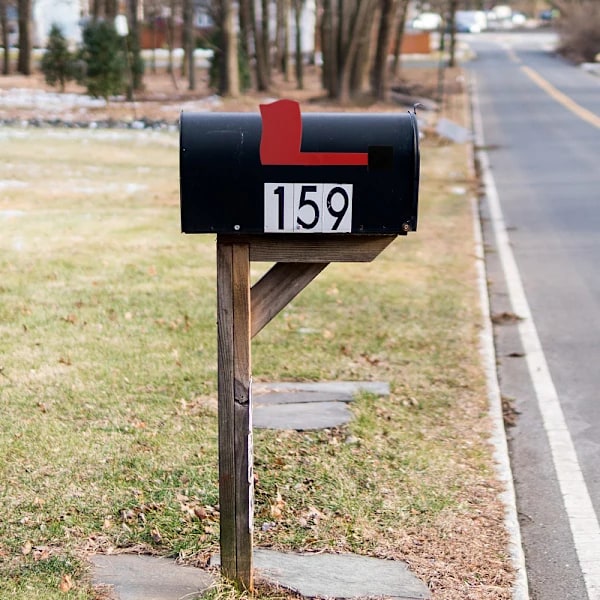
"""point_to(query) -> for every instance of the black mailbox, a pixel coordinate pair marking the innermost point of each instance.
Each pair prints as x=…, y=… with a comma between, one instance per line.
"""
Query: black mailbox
x=283, y=172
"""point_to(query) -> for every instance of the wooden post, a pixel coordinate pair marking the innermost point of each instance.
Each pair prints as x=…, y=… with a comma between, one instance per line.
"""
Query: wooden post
x=236, y=478
x=242, y=312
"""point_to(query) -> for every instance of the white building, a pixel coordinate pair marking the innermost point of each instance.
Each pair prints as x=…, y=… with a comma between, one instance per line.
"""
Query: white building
x=66, y=14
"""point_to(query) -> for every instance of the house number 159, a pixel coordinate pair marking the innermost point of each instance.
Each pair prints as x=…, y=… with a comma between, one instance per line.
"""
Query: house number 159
x=308, y=207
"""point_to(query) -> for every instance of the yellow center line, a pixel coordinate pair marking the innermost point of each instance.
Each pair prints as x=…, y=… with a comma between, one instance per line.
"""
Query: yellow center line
x=582, y=113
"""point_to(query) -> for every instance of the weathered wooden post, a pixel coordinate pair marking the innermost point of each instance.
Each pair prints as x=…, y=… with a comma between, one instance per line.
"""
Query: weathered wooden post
x=235, y=411
x=299, y=192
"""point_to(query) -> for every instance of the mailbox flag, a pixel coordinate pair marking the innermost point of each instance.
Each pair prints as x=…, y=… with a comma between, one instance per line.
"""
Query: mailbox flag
x=281, y=140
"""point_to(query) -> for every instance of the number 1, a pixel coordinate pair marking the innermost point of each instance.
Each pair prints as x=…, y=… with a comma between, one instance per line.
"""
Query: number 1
x=280, y=192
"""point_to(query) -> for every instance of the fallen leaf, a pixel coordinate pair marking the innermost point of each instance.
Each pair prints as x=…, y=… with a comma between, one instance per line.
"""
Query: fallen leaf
x=41, y=553
x=66, y=584
x=156, y=537
x=277, y=507
x=200, y=512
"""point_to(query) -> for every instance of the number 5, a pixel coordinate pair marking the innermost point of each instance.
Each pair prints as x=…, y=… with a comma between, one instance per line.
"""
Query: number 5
x=304, y=201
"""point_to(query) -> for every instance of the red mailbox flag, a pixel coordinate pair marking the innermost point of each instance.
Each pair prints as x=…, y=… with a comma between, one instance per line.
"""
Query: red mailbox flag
x=282, y=137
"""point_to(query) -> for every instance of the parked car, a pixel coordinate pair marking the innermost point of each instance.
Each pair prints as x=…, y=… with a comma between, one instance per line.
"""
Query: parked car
x=470, y=21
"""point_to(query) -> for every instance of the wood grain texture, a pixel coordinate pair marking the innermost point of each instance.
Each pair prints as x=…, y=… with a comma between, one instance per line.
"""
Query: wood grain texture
x=235, y=459
x=305, y=248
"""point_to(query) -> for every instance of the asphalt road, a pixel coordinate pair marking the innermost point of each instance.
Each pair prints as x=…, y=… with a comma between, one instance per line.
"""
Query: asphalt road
x=541, y=125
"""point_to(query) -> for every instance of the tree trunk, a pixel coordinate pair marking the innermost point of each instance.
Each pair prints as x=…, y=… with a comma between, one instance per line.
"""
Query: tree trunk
x=329, y=46
x=400, y=26
x=245, y=27
x=111, y=9
x=298, y=5
x=356, y=24
x=279, y=35
x=380, y=68
x=452, y=7
x=189, y=42
x=284, y=39
x=361, y=69
x=24, y=60
x=266, y=34
x=171, y=40
x=263, y=78
x=230, y=50
x=4, y=33
x=137, y=66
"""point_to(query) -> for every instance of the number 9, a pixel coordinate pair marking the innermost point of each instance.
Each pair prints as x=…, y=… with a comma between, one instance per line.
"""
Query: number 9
x=337, y=214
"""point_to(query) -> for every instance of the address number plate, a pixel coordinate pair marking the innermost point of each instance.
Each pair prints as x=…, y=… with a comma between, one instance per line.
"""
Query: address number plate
x=308, y=207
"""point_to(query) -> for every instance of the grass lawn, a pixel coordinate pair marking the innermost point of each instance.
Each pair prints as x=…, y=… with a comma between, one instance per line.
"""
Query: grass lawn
x=108, y=438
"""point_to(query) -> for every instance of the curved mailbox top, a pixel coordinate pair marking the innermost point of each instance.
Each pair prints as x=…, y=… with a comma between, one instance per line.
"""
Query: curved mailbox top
x=282, y=172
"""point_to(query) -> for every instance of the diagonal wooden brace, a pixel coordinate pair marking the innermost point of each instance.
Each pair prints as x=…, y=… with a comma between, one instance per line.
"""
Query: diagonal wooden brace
x=277, y=288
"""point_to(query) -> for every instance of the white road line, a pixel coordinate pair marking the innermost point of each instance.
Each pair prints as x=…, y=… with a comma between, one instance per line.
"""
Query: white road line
x=578, y=505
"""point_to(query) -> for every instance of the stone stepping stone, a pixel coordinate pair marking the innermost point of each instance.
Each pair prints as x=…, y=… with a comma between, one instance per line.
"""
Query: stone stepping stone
x=143, y=577
x=305, y=406
x=337, y=576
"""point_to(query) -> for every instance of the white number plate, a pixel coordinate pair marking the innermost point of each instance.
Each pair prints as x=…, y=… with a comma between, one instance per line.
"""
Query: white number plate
x=308, y=207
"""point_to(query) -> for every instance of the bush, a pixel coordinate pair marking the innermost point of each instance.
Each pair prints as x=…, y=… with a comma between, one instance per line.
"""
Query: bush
x=57, y=62
x=103, y=60
x=580, y=32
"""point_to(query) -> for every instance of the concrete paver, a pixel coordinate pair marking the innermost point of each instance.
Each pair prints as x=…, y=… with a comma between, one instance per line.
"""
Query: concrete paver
x=340, y=576
x=301, y=417
x=142, y=577
x=337, y=576
x=309, y=405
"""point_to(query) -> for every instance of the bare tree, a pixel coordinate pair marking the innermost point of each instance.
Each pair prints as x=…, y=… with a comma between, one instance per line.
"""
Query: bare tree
x=24, y=60
x=387, y=18
x=346, y=25
x=452, y=8
x=399, y=35
x=134, y=58
x=172, y=9
x=4, y=34
x=232, y=69
x=189, y=42
x=298, y=7
x=104, y=9
x=282, y=38
x=263, y=71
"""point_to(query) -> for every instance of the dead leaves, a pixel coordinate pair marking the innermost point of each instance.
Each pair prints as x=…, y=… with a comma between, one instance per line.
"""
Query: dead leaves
x=156, y=521
x=285, y=515
x=310, y=518
x=66, y=583
x=277, y=507
x=194, y=510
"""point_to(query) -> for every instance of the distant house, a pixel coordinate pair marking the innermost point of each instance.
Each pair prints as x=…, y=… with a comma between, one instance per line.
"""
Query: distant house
x=66, y=14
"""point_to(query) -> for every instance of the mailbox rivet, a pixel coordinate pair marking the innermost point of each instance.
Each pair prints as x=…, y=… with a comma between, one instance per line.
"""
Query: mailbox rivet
x=236, y=227
x=406, y=227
